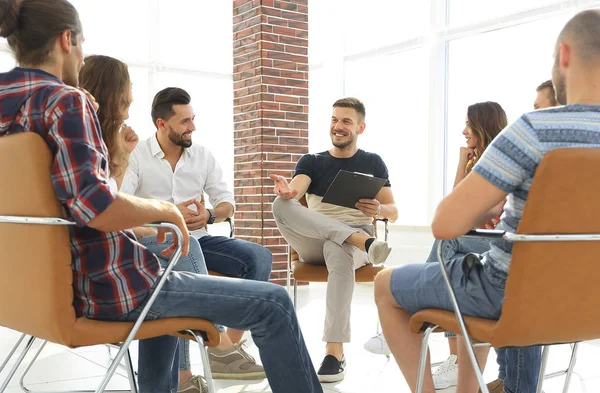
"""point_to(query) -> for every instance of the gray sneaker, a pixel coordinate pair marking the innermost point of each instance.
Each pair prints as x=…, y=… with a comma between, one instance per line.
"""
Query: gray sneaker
x=234, y=363
x=378, y=252
x=194, y=385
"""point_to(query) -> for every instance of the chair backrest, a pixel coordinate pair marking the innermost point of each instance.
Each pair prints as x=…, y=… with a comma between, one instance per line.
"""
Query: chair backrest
x=36, y=293
x=552, y=290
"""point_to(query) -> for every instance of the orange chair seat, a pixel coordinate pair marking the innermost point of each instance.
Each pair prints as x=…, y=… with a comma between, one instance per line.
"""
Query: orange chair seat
x=318, y=273
x=85, y=332
x=479, y=329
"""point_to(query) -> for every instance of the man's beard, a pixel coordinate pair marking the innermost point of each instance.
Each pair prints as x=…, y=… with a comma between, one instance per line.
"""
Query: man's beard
x=343, y=144
x=178, y=140
x=561, y=91
x=560, y=84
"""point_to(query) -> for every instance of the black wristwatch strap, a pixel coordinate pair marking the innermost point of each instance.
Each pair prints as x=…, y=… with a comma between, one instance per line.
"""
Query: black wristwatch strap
x=211, y=219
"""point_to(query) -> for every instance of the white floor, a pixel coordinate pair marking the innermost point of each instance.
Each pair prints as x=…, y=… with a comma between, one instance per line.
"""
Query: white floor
x=60, y=368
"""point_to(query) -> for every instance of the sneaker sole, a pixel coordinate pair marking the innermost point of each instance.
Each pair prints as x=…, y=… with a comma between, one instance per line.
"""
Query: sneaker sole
x=238, y=377
x=332, y=378
x=445, y=386
x=377, y=351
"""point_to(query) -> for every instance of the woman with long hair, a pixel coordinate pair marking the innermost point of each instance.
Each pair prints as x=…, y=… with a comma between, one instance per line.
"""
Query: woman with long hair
x=108, y=81
x=483, y=123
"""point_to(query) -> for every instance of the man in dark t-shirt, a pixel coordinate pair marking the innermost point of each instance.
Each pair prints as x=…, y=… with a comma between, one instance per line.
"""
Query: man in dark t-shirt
x=336, y=236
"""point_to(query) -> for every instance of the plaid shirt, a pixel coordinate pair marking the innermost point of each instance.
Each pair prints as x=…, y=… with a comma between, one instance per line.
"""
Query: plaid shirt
x=112, y=273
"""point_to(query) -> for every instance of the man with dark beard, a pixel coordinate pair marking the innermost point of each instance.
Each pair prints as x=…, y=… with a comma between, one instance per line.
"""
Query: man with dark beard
x=169, y=167
x=338, y=237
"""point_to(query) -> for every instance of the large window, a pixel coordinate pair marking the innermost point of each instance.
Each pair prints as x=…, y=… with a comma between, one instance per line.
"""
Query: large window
x=166, y=43
x=503, y=66
x=465, y=12
x=396, y=99
x=418, y=65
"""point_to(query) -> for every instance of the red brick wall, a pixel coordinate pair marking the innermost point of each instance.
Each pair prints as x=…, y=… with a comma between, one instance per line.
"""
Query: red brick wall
x=270, y=81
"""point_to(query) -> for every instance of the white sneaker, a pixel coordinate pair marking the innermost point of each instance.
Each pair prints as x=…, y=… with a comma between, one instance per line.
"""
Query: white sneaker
x=446, y=374
x=377, y=345
x=378, y=252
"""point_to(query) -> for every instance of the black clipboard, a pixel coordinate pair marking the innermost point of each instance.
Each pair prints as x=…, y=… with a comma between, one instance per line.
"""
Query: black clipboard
x=348, y=187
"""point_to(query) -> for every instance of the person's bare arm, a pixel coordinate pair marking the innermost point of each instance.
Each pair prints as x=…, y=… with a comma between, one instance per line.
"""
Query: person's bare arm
x=465, y=155
x=385, y=200
x=470, y=203
x=295, y=189
x=127, y=211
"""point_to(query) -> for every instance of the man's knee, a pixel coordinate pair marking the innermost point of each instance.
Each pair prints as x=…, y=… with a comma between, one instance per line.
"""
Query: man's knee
x=279, y=297
x=260, y=257
x=383, y=292
x=280, y=208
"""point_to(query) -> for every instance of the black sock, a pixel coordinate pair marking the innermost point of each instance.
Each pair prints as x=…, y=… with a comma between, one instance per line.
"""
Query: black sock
x=368, y=243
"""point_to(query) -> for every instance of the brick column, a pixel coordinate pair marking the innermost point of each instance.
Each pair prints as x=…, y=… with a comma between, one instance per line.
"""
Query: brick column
x=270, y=81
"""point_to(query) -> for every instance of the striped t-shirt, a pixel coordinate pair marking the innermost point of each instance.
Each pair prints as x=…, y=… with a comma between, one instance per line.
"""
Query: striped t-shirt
x=511, y=160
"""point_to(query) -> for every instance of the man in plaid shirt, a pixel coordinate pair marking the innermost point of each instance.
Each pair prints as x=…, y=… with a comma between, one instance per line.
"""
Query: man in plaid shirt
x=113, y=274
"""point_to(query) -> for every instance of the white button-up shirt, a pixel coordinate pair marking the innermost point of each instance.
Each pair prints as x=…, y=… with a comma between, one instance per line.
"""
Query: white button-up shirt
x=197, y=172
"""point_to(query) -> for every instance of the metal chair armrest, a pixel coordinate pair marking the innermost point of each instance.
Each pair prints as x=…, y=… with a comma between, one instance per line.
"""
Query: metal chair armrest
x=485, y=233
x=386, y=224
x=34, y=220
x=231, y=226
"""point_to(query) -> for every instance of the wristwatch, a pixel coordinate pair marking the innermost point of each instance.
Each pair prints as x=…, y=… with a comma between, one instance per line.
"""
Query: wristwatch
x=211, y=219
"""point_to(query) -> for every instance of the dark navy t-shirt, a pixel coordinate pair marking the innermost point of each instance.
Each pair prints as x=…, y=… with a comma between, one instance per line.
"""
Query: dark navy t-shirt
x=323, y=167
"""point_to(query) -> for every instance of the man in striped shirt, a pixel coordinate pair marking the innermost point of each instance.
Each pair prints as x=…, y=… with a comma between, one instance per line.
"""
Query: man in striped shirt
x=506, y=169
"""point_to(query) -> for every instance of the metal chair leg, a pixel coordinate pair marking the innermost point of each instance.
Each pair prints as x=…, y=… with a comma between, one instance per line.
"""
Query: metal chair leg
x=571, y=368
x=205, y=361
x=423, y=358
x=130, y=372
x=17, y=363
x=21, y=381
x=545, y=353
x=128, y=367
x=289, y=268
x=11, y=353
x=295, y=295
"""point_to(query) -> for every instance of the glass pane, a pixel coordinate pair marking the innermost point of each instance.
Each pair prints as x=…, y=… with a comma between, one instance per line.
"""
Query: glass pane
x=504, y=66
x=324, y=91
x=212, y=100
x=464, y=12
x=139, y=112
x=7, y=61
x=196, y=35
x=118, y=28
x=397, y=123
x=373, y=24
x=352, y=26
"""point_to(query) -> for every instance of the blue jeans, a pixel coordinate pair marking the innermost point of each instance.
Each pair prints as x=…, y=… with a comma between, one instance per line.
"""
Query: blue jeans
x=236, y=258
x=231, y=257
x=263, y=308
x=458, y=248
x=193, y=263
x=518, y=366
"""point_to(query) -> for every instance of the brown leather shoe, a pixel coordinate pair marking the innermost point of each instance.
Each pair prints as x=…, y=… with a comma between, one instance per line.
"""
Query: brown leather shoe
x=496, y=386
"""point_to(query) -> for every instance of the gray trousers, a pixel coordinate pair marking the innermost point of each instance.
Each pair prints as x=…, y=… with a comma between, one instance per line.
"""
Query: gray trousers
x=319, y=240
